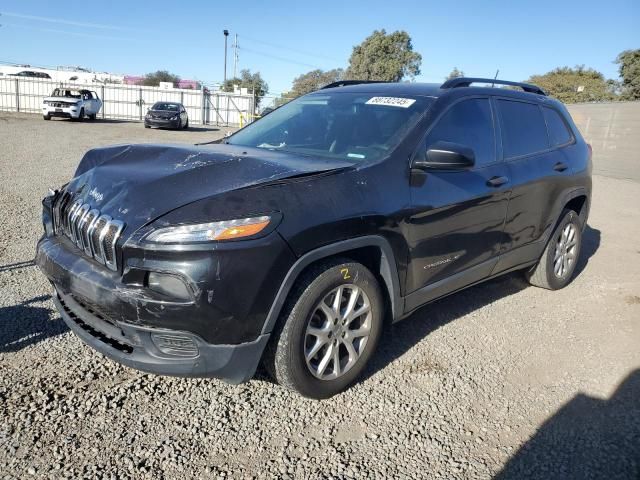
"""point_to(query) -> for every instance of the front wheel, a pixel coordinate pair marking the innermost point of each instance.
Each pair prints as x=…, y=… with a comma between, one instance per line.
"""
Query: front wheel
x=186, y=125
x=47, y=117
x=328, y=331
x=557, y=265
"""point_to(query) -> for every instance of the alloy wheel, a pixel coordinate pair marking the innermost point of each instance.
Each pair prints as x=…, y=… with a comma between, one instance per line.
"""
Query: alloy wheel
x=337, y=332
x=566, y=249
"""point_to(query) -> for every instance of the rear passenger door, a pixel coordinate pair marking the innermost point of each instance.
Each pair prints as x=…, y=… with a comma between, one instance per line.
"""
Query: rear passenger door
x=540, y=174
x=456, y=226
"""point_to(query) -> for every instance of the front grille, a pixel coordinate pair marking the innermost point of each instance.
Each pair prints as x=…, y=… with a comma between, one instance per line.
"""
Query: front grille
x=95, y=234
x=61, y=104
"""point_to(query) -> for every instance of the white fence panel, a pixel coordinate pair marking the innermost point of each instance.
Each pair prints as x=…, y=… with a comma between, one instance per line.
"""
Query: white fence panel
x=131, y=102
x=8, y=99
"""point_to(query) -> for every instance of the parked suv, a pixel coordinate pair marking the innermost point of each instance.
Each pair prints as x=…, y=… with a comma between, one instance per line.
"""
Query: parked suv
x=294, y=240
x=70, y=103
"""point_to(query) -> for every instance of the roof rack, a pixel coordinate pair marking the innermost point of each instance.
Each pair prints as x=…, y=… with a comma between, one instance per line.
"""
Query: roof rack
x=466, y=82
x=344, y=83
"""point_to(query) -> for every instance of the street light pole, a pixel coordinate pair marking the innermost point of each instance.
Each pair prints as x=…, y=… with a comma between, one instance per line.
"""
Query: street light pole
x=226, y=34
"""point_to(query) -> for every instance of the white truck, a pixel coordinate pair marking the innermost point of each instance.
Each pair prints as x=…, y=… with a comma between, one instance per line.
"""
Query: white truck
x=71, y=103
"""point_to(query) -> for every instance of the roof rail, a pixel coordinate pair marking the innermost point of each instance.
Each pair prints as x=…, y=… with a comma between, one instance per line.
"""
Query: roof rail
x=466, y=82
x=344, y=83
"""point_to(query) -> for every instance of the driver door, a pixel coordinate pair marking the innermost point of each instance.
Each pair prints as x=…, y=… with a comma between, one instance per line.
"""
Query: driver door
x=457, y=220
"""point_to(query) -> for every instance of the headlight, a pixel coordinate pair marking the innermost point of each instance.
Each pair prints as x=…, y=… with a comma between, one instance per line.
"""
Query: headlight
x=205, y=232
x=175, y=117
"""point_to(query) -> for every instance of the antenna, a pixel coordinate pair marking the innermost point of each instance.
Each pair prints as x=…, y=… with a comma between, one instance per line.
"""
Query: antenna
x=235, y=57
x=495, y=77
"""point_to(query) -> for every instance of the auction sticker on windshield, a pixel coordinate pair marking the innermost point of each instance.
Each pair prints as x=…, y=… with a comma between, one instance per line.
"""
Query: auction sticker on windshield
x=391, y=101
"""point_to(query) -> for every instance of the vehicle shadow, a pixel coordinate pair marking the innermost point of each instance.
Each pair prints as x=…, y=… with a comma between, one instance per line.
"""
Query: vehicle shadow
x=407, y=333
x=202, y=129
x=587, y=438
x=590, y=244
x=27, y=324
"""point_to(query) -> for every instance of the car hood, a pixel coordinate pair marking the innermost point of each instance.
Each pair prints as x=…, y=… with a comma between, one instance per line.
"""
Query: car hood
x=62, y=99
x=138, y=183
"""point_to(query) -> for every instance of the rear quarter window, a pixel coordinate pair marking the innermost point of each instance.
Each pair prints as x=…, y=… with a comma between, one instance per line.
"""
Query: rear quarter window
x=559, y=133
x=524, y=131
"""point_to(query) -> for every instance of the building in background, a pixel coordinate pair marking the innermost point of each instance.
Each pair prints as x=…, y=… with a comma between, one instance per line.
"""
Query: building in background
x=83, y=75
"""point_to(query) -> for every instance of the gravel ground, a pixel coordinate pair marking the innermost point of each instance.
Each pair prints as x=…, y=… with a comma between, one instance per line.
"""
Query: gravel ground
x=500, y=380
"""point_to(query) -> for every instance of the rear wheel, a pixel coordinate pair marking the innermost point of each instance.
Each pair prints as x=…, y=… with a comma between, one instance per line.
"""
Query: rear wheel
x=92, y=116
x=557, y=265
x=329, y=329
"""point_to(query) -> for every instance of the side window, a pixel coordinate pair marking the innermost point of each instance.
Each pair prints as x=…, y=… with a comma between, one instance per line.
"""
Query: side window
x=523, y=128
x=559, y=134
x=467, y=123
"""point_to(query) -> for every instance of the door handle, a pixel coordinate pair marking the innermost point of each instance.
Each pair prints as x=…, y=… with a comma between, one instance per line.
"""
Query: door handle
x=560, y=167
x=497, y=181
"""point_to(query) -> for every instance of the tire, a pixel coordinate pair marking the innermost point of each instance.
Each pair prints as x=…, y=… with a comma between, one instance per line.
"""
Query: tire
x=92, y=117
x=557, y=265
x=285, y=357
x=47, y=117
x=80, y=115
x=147, y=126
x=186, y=124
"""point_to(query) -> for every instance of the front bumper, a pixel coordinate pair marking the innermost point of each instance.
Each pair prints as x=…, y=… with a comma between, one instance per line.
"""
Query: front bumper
x=158, y=351
x=66, y=112
x=159, y=122
x=221, y=326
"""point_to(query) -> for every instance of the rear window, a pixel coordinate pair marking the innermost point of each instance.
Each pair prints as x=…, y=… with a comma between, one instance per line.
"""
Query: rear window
x=524, y=131
x=559, y=133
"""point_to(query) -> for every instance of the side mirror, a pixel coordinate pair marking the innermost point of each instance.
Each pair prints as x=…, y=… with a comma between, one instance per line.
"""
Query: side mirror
x=446, y=156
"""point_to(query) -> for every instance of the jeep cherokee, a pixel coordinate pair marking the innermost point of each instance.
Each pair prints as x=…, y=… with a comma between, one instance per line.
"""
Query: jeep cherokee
x=294, y=240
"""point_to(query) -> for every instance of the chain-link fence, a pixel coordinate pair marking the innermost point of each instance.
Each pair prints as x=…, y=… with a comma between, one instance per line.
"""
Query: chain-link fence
x=131, y=102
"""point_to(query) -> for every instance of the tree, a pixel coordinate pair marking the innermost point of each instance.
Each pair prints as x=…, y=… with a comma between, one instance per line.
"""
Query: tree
x=629, y=69
x=253, y=82
x=571, y=85
x=455, y=73
x=313, y=80
x=388, y=58
x=154, y=79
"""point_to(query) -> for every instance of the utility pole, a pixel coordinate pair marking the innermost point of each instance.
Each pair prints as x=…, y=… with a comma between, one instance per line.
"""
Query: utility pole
x=235, y=57
x=226, y=34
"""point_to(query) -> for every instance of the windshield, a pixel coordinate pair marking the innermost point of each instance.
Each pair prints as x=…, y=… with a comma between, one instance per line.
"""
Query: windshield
x=170, y=107
x=60, y=92
x=351, y=126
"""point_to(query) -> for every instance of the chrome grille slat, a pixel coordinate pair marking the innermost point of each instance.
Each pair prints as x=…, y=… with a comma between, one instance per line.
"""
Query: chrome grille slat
x=80, y=220
x=95, y=234
x=90, y=221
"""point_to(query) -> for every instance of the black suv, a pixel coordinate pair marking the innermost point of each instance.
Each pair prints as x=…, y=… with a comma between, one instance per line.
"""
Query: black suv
x=298, y=237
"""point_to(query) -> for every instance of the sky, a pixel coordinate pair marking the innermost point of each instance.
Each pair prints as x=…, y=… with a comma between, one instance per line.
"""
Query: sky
x=284, y=39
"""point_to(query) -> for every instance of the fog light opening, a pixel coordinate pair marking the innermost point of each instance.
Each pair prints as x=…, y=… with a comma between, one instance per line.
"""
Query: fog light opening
x=175, y=344
x=169, y=285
